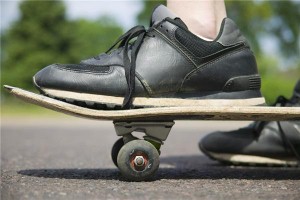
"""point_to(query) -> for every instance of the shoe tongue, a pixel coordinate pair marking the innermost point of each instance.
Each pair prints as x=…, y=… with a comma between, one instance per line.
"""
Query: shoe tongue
x=297, y=89
x=160, y=13
x=296, y=94
x=295, y=99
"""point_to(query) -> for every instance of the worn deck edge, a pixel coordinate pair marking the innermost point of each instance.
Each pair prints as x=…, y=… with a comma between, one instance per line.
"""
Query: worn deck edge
x=257, y=113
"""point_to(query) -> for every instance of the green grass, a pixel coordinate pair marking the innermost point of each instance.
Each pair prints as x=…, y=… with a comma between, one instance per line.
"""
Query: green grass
x=276, y=85
x=15, y=108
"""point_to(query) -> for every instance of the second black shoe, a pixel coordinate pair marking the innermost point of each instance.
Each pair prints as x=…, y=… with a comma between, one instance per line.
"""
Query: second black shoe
x=261, y=143
x=166, y=65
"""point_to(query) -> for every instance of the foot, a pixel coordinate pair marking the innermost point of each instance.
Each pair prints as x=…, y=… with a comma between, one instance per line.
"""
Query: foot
x=261, y=143
x=166, y=65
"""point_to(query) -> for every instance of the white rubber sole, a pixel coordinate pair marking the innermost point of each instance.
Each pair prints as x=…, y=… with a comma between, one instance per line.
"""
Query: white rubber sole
x=152, y=102
x=251, y=160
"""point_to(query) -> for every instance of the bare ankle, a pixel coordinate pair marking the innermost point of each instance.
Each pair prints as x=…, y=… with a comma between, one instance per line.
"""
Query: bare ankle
x=206, y=29
x=203, y=18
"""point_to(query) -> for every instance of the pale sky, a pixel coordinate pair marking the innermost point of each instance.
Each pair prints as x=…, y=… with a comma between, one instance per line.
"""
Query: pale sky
x=124, y=12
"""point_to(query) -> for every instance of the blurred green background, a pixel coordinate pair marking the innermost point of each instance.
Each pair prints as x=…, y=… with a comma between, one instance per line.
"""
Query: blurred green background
x=43, y=35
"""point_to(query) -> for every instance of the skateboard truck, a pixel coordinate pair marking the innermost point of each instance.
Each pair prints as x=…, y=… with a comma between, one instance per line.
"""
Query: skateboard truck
x=139, y=159
x=155, y=131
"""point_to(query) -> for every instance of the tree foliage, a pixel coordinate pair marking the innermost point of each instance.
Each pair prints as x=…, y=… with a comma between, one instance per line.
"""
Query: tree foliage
x=43, y=35
x=278, y=19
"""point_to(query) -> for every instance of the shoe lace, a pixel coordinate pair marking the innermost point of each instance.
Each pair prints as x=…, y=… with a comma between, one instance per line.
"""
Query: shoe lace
x=288, y=143
x=138, y=32
x=259, y=125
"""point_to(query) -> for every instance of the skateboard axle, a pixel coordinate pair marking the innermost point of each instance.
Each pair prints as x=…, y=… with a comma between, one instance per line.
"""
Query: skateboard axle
x=139, y=161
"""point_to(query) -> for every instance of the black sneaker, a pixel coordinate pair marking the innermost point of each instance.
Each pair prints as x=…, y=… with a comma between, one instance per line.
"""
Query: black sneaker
x=166, y=65
x=261, y=143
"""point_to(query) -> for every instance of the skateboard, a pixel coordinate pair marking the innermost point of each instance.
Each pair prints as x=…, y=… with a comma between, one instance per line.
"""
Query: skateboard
x=138, y=159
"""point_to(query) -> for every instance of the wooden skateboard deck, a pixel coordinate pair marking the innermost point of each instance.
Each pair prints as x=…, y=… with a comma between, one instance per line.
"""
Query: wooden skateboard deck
x=256, y=113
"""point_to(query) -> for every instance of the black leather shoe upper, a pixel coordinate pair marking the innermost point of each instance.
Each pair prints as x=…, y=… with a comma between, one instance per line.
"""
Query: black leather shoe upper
x=268, y=139
x=269, y=142
x=169, y=61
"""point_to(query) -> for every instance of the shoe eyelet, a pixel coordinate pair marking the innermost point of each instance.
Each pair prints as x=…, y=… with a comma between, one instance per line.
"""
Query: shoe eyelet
x=161, y=26
x=167, y=30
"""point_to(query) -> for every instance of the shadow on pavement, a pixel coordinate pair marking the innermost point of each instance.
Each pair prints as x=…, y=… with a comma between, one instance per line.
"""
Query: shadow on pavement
x=178, y=167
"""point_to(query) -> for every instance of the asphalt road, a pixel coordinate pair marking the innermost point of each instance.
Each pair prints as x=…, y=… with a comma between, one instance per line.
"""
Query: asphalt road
x=69, y=158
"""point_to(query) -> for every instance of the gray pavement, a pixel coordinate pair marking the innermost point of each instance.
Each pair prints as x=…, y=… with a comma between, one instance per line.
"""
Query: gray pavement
x=69, y=158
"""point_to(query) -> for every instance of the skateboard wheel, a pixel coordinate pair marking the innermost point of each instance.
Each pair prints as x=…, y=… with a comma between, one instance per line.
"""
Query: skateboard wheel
x=138, y=160
x=115, y=150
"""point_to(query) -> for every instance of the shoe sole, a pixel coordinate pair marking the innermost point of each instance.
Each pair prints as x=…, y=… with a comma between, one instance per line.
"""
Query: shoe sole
x=250, y=160
x=112, y=101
